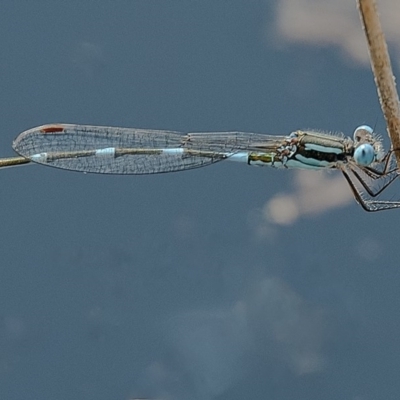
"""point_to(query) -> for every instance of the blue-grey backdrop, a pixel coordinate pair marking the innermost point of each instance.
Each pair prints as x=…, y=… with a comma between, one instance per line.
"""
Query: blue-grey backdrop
x=178, y=286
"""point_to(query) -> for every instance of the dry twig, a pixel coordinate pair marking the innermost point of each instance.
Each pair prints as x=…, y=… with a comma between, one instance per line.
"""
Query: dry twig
x=382, y=69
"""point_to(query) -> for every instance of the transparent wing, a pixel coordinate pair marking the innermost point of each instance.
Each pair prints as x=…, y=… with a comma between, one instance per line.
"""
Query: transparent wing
x=111, y=150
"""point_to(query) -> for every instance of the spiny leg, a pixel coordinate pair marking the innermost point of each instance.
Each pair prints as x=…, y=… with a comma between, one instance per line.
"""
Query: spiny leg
x=390, y=176
x=369, y=205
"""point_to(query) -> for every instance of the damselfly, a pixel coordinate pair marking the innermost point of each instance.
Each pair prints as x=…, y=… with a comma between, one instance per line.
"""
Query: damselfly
x=110, y=150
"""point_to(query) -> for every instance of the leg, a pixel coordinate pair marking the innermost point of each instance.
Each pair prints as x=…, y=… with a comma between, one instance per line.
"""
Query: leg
x=370, y=205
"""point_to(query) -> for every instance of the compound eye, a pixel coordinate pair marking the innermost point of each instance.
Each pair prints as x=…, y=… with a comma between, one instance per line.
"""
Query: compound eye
x=362, y=132
x=364, y=155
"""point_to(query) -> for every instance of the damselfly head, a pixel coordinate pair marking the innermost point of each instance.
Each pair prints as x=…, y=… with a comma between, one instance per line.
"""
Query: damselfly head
x=368, y=146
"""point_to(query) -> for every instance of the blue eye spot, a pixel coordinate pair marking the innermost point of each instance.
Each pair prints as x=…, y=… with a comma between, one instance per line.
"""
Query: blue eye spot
x=364, y=155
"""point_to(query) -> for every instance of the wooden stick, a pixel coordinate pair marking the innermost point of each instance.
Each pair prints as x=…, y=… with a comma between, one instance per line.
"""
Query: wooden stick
x=382, y=69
